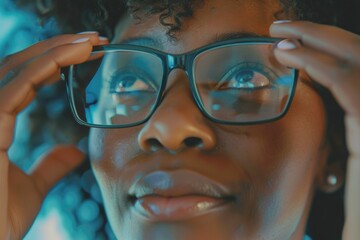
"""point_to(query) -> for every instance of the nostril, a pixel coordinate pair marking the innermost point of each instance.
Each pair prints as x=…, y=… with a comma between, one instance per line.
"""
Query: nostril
x=153, y=144
x=193, y=142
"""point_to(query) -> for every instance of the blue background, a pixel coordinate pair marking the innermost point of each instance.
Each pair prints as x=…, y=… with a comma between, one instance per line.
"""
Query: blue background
x=73, y=209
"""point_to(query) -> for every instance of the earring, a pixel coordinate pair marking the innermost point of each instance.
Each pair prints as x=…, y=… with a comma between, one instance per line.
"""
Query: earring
x=331, y=179
x=331, y=176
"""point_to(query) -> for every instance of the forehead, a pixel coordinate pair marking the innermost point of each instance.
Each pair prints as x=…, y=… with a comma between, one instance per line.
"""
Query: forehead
x=213, y=18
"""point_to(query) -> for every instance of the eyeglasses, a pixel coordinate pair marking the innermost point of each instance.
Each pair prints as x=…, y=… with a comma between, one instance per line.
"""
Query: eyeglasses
x=237, y=81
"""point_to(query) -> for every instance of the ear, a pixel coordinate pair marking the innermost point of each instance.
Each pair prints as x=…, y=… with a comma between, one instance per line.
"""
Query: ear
x=330, y=175
x=331, y=178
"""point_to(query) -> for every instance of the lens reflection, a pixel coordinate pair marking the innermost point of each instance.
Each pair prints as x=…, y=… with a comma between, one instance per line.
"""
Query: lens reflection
x=116, y=87
x=242, y=83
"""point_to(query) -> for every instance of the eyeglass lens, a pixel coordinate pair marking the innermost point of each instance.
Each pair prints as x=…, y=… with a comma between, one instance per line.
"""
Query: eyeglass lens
x=242, y=83
x=117, y=88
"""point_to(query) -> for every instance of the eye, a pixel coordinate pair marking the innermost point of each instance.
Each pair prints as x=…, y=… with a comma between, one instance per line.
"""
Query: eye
x=245, y=76
x=130, y=81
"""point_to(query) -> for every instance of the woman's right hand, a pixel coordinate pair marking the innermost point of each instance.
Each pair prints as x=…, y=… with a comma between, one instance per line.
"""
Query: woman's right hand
x=21, y=74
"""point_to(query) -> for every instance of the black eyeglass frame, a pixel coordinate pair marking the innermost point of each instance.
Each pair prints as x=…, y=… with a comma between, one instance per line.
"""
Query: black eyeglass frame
x=185, y=62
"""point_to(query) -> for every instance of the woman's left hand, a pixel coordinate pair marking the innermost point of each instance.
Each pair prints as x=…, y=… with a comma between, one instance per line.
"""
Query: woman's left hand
x=331, y=57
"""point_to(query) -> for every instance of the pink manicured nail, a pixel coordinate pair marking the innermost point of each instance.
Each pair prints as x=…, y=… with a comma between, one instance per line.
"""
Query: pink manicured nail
x=103, y=38
x=81, y=40
x=282, y=21
x=88, y=32
x=286, y=45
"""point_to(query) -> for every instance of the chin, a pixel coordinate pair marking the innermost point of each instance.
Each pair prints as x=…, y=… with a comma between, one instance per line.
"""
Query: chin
x=221, y=222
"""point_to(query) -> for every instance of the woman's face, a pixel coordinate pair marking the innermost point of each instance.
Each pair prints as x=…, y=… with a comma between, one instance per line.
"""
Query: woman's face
x=196, y=179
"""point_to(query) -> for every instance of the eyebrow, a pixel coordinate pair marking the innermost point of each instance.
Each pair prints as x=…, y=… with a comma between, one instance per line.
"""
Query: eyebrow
x=143, y=41
x=235, y=35
x=156, y=43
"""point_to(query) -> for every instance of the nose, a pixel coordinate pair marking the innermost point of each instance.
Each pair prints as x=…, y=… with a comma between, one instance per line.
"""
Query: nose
x=178, y=122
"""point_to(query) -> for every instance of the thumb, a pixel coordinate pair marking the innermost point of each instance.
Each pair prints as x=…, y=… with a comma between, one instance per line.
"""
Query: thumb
x=54, y=165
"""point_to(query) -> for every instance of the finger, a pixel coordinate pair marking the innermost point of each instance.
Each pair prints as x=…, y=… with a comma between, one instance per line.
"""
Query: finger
x=7, y=126
x=27, y=192
x=4, y=166
x=352, y=200
x=6, y=122
x=54, y=78
x=103, y=41
x=21, y=90
x=12, y=73
x=339, y=76
x=331, y=39
x=54, y=166
x=95, y=56
x=13, y=61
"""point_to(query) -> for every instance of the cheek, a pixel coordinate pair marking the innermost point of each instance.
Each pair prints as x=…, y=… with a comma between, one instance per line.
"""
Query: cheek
x=298, y=140
x=110, y=152
x=303, y=153
x=111, y=149
x=287, y=146
x=96, y=144
x=281, y=158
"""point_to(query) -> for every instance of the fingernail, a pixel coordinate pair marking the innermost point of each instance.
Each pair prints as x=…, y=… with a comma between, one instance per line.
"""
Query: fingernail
x=88, y=32
x=286, y=44
x=101, y=38
x=282, y=21
x=81, y=40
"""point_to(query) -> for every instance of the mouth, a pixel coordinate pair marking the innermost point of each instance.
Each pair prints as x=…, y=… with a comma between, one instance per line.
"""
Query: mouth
x=177, y=195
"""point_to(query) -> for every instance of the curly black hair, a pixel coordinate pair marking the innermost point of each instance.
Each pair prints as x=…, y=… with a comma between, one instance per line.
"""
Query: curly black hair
x=103, y=15
x=327, y=216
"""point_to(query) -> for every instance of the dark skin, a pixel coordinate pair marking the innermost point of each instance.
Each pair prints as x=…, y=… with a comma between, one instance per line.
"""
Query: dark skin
x=263, y=183
x=273, y=168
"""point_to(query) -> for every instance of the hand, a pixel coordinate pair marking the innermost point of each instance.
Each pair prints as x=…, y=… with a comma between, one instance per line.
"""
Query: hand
x=20, y=75
x=331, y=56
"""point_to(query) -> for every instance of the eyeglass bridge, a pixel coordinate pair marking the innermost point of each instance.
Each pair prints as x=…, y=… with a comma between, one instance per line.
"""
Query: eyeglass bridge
x=176, y=61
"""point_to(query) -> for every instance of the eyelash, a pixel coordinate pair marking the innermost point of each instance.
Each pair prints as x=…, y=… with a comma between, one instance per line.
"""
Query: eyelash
x=253, y=66
x=147, y=79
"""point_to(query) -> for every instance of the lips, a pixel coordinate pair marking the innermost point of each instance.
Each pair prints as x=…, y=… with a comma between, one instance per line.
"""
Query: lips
x=177, y=195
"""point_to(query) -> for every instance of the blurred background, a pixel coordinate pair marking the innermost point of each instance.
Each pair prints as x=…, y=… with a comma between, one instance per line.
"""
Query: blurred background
x=73, y=209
